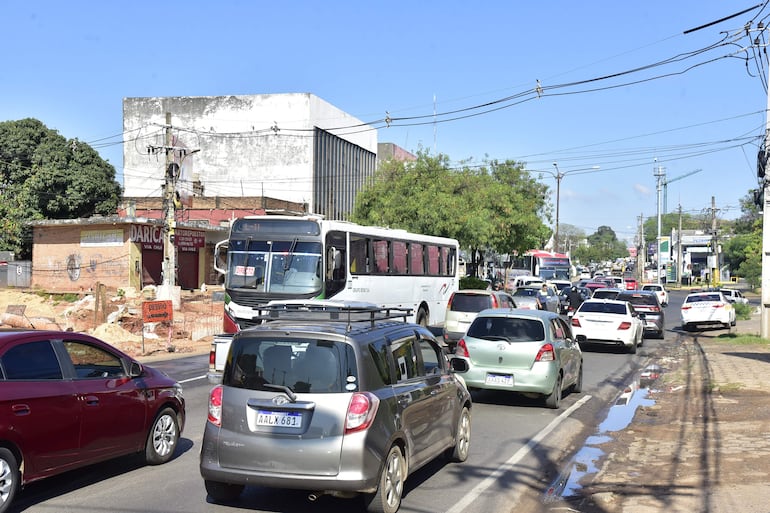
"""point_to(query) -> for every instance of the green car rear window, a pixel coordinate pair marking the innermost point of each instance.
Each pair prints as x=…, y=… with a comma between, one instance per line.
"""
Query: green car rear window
x=513, y=329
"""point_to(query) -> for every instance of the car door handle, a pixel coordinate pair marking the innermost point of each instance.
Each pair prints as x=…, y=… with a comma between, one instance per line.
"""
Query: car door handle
x=20, y=409
x=91, y=400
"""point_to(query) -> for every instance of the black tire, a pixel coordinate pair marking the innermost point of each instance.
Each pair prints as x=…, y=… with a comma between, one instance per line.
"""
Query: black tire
x=553, y=400
x=387, y=498
x=632, y=349
x=222, y=492
x=422, y=317
x=733, y=322
x=578, y=386
x=9, y=478
x=462, y=437
x=162, y=438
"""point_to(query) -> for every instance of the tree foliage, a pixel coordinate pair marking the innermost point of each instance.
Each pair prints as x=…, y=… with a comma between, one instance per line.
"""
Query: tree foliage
x=45, y=176
x=603, y=245
x=496, y=206
x=743, y=251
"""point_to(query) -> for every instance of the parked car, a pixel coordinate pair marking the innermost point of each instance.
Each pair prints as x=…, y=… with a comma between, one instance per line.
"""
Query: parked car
x=334, y=398
x=606, y=293
x=710, y=308
x=462, y=309
x=564, y=306
x=608, y=321
x=646, y=302
x=68, y=400
x=531, y=352
x=659, y=290
x=734, y=296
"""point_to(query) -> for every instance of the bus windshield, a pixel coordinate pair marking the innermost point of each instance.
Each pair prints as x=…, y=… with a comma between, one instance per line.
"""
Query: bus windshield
x=285, y=267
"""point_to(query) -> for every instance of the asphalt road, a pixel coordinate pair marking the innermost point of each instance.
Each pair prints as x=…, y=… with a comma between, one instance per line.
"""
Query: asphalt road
x=515, y=441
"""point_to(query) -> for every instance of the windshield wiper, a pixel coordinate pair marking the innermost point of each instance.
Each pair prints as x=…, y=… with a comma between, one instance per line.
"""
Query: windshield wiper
x=284, y=389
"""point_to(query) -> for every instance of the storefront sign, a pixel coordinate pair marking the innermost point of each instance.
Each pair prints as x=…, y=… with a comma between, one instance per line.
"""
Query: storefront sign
x=96, y=238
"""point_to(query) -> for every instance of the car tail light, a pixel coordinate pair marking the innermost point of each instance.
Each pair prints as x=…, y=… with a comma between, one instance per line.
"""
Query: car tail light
x=462, y=349
x=686, y=307
x=215, y=406
x=229, y=325
x=718, y=305
x=546, y=354
x=494, y=301
x=624, y=325
x=575, y=321
x=449, y=303
x=361, y=411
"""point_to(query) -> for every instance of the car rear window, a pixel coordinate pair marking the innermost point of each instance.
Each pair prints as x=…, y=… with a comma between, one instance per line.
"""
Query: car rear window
x=302, y=365
x=703, y=297
x=601, y=307
x=513, y=329
x=639, y=299
x=470, y=302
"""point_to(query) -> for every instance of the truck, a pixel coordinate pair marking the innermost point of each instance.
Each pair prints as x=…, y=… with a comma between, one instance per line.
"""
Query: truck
x=220, y=347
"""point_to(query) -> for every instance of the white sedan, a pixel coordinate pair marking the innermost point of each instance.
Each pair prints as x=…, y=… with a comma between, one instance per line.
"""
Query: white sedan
x=707, y=308
x=659, y=290
x=607, y=321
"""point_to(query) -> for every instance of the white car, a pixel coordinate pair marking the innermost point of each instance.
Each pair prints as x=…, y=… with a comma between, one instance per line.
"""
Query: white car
x=607, y=321
x=734, y=296
x=659, y=290
x=707, y=308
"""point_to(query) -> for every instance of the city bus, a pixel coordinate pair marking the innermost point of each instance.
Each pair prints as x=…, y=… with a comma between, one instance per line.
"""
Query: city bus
x=543, y=264
x=282, y=257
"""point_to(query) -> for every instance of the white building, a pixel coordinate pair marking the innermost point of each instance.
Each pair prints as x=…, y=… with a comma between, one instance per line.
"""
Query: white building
x=294, y=147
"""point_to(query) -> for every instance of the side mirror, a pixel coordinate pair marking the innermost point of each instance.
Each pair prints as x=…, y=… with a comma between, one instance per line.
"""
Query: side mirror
x=135, y=370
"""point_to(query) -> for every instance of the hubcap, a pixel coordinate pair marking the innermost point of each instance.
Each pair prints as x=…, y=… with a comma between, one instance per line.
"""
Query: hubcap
x=6, y=481
x=164, y=435
x=394, y=480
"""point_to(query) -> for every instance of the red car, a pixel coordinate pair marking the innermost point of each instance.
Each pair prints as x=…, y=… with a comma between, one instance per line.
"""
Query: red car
x=68, y=400
x=631, y=283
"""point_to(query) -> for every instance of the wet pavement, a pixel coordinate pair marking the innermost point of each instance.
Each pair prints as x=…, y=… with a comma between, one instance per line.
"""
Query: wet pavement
x=690, y=434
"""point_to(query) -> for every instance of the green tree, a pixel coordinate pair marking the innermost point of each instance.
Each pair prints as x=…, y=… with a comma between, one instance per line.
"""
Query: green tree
x=670, y=221
x=497, y=205
x=602, y=245
x=45, y=176
x=743, y=251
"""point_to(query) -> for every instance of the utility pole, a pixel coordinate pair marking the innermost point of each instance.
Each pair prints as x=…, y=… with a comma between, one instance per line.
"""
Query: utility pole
x=660, y=174
x=172, y=173
x=679, y=256
x=714, y=245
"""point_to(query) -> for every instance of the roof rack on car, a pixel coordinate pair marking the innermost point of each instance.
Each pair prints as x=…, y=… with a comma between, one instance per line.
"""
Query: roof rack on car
x=320, y=310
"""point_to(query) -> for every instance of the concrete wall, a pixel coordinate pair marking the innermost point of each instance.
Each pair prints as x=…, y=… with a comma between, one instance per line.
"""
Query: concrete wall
x=255, y=145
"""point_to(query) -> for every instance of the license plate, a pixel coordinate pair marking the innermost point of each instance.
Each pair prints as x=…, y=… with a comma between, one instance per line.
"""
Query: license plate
x=499, y=379
x=279, y=419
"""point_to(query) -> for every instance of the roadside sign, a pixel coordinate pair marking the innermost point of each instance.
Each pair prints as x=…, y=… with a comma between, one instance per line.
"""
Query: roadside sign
x=157, y=311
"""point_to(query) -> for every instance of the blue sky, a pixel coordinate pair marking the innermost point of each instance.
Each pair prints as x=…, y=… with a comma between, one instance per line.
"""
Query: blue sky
x=678, y=102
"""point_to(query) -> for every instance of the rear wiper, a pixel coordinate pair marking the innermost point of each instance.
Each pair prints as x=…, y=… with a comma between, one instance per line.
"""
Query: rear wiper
x=284, y=389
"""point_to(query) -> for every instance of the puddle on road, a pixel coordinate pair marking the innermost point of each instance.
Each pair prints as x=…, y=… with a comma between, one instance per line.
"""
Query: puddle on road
x=620, y=415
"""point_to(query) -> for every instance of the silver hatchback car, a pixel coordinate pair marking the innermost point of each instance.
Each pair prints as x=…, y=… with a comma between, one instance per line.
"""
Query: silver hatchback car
x=333, y=398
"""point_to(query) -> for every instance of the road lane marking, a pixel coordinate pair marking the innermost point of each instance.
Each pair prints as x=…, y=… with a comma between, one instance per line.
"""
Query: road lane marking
x=476, y=492
x=192, y=379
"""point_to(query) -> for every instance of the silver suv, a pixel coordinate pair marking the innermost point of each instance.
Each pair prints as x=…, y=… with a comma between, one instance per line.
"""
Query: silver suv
x=333, y=398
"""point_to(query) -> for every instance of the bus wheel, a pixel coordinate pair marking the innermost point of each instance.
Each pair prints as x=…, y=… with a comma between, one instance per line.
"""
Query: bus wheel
x=422, y=317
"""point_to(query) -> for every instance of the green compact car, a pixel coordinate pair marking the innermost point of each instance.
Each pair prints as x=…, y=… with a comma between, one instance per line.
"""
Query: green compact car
x=531, y=352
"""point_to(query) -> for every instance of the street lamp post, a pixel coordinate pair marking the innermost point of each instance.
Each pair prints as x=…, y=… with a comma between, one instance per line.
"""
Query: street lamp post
x=558, y=175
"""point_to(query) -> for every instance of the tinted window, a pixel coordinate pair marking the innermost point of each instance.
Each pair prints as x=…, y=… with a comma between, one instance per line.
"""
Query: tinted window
x=639, y=299
x=405, y=358
x=32, y=361
x=597, y=307
x=304, y=366
x=431, y=357
x=470, y=302
x=93, y=362
x=513, y=329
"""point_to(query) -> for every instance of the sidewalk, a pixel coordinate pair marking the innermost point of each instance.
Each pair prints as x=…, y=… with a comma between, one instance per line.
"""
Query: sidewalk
x=704, y=443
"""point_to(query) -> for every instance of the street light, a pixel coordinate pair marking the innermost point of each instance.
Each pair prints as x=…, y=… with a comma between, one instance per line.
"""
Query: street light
x=558, y=176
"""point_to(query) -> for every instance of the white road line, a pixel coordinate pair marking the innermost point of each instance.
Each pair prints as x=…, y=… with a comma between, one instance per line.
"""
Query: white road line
x=192, y=379
x=474, y=494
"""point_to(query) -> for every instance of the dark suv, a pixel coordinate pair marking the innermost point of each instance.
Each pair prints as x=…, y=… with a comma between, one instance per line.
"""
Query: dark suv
x=333, y=398
x=646, y=302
